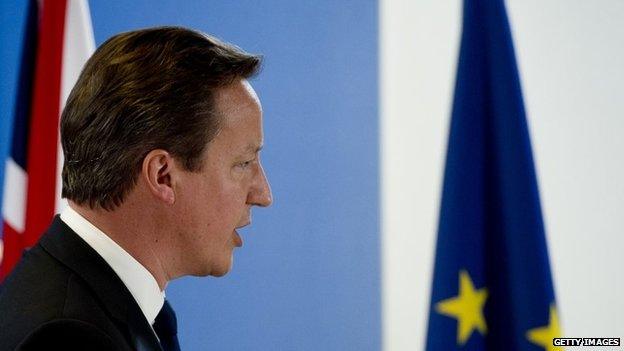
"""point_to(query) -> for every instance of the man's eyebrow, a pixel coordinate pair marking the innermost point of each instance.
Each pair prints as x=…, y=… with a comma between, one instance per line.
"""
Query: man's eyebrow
x=253, y=148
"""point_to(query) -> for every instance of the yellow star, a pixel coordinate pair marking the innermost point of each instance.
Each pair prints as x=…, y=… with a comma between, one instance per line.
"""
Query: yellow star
x=467, y=308
x=543, y=336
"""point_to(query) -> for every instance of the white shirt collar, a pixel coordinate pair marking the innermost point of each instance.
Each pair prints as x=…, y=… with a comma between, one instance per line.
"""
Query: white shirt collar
x=139, y=281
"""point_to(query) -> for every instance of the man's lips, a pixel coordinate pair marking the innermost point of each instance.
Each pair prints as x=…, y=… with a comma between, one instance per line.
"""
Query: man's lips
x=238, y=241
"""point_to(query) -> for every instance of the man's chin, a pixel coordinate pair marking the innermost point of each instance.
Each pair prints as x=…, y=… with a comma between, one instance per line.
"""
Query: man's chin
x=218, y=274
x=221, y=269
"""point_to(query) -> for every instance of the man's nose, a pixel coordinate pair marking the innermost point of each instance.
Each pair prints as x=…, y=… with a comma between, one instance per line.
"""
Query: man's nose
x=260, y=194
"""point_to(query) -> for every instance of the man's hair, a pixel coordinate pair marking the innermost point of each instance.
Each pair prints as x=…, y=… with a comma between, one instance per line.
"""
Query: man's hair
x=143, y=90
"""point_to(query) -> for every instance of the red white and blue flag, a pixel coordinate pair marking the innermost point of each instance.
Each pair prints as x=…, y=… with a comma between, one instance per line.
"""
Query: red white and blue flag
x=57, y=42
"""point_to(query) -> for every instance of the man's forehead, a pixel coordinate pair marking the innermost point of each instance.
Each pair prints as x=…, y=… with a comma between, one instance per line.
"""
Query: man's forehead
x=252, y=93
x=237, y=96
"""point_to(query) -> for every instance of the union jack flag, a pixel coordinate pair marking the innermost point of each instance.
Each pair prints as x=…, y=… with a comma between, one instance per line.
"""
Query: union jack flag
x=58, y=39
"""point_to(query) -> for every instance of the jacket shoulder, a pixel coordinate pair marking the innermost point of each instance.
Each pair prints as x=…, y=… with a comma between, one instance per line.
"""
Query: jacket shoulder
x=35, y=290
x=67, y=334
x=43, y=301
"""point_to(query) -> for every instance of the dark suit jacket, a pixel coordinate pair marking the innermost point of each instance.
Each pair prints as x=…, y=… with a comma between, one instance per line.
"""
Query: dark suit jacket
x=63, y=296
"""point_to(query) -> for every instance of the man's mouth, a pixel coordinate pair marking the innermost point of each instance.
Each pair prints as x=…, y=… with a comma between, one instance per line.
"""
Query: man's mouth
x=238, y=241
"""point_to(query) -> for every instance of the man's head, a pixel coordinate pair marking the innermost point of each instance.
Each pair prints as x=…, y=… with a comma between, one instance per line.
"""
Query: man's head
x=169, y=111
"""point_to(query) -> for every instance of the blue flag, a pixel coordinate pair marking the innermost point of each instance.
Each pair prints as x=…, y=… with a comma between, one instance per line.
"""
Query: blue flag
x=492, y=287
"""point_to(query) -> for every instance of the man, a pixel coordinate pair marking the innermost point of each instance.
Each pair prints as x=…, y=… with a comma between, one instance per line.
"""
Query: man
x=161, y=136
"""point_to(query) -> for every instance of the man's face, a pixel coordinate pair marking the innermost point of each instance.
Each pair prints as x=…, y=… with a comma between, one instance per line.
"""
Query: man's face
x=217, y=200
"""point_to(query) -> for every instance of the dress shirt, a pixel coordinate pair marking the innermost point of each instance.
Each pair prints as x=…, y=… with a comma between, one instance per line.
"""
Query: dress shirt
x=139, y=281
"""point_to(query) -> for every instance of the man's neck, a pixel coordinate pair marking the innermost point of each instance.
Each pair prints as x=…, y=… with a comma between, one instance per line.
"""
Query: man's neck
x=132, y=231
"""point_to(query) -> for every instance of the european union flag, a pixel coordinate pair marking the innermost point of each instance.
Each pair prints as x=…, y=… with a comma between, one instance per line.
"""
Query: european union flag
x=492, y=287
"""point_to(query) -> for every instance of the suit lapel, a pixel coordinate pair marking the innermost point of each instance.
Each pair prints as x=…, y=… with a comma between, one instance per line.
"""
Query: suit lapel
x=67, y=247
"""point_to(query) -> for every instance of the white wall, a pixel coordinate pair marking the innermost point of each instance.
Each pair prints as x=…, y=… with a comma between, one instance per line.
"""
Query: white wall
x=571, y=59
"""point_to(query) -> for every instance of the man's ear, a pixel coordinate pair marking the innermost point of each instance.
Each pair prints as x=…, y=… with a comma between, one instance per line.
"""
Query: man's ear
x=158, y=167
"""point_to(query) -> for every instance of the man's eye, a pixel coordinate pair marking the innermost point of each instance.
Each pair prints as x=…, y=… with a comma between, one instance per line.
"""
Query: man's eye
x=245, y=164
